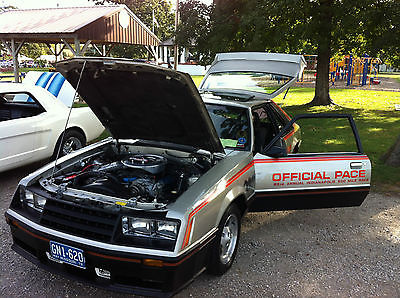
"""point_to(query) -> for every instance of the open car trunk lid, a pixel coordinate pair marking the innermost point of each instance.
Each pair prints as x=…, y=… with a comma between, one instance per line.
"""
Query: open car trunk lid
x=287, y=65
x=142, y=101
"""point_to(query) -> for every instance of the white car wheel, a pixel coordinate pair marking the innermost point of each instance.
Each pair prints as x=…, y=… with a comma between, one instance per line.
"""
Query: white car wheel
x=73, y=140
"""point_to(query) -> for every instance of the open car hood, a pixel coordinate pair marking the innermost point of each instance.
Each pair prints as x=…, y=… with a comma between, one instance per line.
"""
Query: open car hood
x=260, y=62
x=142, y=101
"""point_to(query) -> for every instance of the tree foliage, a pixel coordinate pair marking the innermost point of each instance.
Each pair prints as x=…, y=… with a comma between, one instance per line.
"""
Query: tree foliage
x=321, y=27
x=193, y=30
x=34, y=50
x=382, y=31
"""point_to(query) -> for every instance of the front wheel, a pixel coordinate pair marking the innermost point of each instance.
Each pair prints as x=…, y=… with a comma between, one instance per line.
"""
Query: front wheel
x=225, y=245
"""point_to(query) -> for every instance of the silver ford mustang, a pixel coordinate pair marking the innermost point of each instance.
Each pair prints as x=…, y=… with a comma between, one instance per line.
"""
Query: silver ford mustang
x=162, y=200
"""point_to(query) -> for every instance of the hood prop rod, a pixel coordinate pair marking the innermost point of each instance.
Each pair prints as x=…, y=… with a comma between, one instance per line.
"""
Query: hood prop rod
x=66, y=123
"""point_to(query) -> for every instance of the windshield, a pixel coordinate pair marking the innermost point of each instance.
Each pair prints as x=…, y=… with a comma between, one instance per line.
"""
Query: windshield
x=261, y=82
x=232, y=125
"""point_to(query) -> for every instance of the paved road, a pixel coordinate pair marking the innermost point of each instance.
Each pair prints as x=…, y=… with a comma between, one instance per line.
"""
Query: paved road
x=332, y=252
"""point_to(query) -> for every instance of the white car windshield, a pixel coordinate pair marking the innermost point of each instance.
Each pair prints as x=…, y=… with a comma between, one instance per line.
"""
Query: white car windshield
x=266, y=83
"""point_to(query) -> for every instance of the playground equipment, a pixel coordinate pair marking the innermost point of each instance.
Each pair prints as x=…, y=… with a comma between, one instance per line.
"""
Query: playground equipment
x=355, y=70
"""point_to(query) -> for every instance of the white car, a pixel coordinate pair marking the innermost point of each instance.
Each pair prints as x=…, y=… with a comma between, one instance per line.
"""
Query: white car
x=32, y=122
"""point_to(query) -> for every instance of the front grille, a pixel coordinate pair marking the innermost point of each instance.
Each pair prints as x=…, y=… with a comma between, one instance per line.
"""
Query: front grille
x=79, y=220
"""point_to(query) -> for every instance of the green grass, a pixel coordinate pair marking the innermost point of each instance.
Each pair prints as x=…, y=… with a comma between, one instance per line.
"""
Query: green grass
x=377, y=122
x=392, y=75
x=197, y=80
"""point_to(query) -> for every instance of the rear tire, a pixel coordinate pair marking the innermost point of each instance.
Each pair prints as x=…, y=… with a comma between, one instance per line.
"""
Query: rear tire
x=73, y=140
x=224, y=248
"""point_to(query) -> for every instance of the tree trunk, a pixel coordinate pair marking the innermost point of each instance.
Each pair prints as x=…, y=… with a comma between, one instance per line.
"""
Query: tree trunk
x=393, y=155
x=324, y=40
x=321, y=96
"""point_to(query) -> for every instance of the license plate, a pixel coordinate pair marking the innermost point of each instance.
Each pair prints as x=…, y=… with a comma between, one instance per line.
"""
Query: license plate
x=67, y=254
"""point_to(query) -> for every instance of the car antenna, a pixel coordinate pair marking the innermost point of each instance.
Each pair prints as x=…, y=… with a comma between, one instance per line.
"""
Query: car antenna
x=69, y=115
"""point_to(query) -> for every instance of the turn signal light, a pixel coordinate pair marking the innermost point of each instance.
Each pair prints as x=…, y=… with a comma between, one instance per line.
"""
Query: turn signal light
x=153, y=263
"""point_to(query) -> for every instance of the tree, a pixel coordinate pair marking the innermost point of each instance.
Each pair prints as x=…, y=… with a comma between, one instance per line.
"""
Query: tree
x=305, y=26
x=383, y=36
x=194, y=28
x=34, y=50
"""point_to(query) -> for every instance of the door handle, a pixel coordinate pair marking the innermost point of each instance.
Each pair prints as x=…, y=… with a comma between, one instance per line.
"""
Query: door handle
x=356, y=165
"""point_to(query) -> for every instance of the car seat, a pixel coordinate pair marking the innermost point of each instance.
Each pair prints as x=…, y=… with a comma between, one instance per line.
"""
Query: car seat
x=260, y=133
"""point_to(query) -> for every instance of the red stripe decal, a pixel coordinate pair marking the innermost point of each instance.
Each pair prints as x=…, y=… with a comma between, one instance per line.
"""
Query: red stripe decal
x=286, y=115
x=288, y=135
x=240, y=173
x=190, y=219
x=306, y=159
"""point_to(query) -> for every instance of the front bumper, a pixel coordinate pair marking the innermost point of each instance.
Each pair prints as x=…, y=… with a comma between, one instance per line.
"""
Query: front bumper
x=129, y=272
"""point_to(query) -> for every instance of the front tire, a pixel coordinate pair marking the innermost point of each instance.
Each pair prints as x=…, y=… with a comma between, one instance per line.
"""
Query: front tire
x=225, y=245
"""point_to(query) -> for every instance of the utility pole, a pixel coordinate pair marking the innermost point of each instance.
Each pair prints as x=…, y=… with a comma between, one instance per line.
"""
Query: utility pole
x=176, y=28
x=152, y=22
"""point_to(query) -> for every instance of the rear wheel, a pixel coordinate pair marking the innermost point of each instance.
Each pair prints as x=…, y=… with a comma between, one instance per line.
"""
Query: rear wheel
x=72, y=141
x=225, y=245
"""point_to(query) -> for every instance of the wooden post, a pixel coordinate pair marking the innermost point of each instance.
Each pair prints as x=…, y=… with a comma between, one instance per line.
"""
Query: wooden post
x=14, y=54
x=77, y=47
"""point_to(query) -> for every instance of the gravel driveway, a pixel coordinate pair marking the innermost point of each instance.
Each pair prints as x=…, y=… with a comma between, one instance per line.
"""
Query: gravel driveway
x=331, y=252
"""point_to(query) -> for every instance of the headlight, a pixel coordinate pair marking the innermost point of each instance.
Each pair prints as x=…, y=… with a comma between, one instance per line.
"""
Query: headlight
x=33, y=200
x=152, y=228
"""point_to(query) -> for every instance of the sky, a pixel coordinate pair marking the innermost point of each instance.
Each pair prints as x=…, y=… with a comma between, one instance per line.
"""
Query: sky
x=25, y=4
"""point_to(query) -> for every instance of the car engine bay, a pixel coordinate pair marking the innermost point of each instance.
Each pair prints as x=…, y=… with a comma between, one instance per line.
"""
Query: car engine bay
x=140, y=178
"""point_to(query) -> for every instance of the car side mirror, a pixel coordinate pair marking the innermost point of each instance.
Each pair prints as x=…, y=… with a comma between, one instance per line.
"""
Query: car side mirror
x=278, y=149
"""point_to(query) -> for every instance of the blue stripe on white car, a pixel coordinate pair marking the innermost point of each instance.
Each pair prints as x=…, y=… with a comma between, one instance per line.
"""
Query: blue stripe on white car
x=56, y=84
